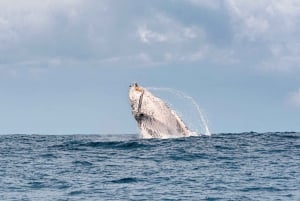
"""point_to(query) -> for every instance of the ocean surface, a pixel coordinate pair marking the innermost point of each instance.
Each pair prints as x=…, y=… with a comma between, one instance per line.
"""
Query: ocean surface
x=244, y=166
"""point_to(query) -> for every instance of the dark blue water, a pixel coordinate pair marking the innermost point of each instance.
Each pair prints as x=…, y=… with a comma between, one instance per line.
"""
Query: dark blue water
x=246, y=166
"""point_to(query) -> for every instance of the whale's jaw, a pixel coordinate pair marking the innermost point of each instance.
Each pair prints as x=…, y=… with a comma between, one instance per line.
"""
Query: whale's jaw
x=153, y=116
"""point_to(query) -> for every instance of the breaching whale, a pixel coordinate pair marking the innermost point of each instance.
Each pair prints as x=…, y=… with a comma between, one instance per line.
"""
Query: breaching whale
x=154, y=117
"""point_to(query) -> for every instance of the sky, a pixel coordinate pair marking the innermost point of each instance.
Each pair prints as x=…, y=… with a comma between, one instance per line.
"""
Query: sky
x=66, y=65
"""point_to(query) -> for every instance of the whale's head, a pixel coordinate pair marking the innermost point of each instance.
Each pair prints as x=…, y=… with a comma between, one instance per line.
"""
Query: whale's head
x=135, y=96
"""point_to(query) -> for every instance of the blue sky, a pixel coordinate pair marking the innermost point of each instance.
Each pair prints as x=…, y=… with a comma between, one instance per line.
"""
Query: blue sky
x=65, y=65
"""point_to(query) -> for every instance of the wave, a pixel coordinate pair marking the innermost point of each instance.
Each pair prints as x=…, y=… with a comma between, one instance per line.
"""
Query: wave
x=78, y=145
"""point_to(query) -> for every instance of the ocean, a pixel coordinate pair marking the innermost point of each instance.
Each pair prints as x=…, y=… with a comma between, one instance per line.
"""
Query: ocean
x=241, y=166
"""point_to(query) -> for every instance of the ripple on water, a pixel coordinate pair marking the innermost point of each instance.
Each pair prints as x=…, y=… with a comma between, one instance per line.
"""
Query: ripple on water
x=244, y=166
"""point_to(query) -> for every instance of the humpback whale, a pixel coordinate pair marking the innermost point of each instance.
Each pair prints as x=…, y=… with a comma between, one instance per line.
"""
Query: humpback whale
x=154, y=117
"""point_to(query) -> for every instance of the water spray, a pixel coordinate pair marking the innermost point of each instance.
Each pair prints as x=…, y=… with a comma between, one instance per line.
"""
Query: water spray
x=202, y=119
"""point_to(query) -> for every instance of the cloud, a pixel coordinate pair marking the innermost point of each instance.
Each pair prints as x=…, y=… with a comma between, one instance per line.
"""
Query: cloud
x=162, y=28
x=294, y=98
x=259, y=35
x=36, y=34
x=166, y=39
x=273, y=26
x=264, y=19
x=146, y=35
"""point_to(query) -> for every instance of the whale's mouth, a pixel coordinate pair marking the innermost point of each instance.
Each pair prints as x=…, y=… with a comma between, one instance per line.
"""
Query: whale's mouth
x=137, y=87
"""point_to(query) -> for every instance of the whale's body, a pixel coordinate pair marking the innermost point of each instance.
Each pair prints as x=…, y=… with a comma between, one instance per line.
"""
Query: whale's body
x=154, y=117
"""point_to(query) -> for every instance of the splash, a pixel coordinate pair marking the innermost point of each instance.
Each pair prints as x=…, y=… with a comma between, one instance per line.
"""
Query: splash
x=202, y=119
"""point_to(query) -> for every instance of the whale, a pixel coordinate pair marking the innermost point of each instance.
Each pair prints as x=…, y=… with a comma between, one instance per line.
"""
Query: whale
x=155, y=119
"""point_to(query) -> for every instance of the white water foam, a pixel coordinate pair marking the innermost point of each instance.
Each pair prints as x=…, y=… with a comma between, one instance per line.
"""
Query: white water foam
x=202, y=119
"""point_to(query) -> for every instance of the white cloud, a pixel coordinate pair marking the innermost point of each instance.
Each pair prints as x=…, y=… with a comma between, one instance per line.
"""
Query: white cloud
x=273, y=26
x=34, y=15
x=147, y=36
x=58, y=32
x=264, y=18
x=36, y=31
x=294, y=98
x=168, y=40
x=162, y=28
x=249, y=19
x=7, y=35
